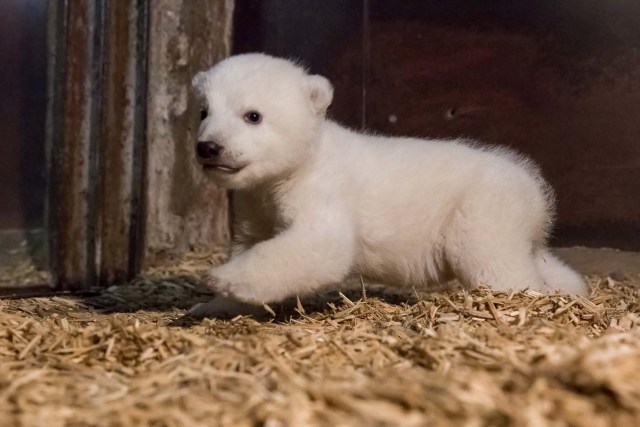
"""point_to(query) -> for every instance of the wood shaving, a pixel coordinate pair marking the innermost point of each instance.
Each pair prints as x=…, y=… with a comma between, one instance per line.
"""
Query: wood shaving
x=130, y=357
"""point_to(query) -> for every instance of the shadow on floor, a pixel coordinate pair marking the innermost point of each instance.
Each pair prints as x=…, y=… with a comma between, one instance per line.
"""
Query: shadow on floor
x=184, y=293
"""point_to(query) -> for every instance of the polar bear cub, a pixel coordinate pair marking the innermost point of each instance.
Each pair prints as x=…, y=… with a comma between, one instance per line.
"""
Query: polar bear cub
x=315, y=201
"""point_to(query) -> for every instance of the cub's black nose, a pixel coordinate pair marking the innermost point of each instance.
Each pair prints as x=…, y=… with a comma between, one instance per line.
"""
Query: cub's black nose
x=208, y=149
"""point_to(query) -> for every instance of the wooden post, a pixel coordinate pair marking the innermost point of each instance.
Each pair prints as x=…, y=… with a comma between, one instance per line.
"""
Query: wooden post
x=121, y=151
x=121, y=126
x=72, y=133
x=183, y=209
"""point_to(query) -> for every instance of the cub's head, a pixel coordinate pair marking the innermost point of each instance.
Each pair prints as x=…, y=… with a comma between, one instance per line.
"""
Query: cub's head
x=260, y=117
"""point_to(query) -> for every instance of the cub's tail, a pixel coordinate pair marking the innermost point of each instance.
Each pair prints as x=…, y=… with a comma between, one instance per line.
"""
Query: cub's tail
x=558, y=276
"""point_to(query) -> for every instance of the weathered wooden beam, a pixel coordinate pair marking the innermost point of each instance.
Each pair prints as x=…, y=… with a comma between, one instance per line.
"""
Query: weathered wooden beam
x=123, y=137
x=183, y=209
x=114, y=67
x=72, y=138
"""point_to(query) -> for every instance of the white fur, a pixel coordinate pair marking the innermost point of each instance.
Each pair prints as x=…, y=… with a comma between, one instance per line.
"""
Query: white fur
x=316, y=202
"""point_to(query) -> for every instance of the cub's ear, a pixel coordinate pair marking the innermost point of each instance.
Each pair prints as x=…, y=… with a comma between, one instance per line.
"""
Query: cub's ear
x=320, y=93
x=198, y=81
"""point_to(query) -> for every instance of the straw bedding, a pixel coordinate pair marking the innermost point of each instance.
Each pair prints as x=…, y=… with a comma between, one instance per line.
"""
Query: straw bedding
x=129, y=356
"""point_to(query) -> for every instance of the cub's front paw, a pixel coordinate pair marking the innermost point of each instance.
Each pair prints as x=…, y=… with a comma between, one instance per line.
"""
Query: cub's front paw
x=225, y=284
x=214, y=281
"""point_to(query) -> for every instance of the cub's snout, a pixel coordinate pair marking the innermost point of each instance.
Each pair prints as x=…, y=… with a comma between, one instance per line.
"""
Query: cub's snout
x=209, y=154
x=208, y=150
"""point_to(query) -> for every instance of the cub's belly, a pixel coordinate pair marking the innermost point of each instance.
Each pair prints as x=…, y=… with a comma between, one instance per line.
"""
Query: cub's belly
x=402, y=262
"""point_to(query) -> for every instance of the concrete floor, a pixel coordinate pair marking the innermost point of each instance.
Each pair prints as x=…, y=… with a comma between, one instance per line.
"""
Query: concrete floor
x=602, y=261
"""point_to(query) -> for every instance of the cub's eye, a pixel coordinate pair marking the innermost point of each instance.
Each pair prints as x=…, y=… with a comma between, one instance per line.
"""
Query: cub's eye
x=253, y=117
x=203, y=114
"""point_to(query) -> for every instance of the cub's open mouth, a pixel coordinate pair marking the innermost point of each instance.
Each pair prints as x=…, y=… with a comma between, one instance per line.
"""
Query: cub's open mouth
x=221, y=168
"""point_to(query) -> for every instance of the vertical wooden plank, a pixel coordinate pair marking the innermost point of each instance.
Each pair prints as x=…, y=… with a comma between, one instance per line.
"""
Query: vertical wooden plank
x=140, y=151
x=56, y=24
x=183, y=209
x=73, y=138
x=117, y=202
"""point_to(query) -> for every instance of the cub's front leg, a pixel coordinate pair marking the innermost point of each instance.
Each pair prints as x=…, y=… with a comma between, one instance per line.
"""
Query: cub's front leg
x=311, y=253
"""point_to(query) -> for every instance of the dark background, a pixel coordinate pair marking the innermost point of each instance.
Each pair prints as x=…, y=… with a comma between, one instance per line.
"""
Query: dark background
x=556, y=80
x=23, y=80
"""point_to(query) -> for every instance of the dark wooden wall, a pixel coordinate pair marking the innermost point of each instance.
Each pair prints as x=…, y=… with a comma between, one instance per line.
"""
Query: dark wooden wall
x=23, y=80
x=558, y=81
